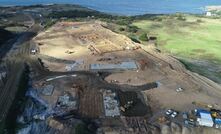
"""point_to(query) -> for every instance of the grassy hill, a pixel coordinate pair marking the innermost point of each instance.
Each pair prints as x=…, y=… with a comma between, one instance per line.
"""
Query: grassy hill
x=190, y=38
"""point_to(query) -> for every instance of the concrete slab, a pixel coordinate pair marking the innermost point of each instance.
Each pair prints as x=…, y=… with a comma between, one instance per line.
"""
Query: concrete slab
x=130, y=65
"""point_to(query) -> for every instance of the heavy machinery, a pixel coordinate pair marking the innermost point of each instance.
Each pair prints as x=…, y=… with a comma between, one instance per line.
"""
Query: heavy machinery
x=202, y=104
x=126, y=106
x=215, y=113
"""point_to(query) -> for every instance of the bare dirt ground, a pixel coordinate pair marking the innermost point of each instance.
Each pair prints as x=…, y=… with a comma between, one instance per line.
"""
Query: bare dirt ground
x=196, y=88
x=72, y=41
x=164, y=69
x=91, y=103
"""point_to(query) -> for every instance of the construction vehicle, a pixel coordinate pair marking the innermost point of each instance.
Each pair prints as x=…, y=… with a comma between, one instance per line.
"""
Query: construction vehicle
x=69, y=52
x=202, y=104
x=122, y=109
x=215, y=113
x=126, y=106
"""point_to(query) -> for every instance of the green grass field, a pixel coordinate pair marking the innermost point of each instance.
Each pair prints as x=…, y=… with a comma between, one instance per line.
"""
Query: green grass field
x=194, y=37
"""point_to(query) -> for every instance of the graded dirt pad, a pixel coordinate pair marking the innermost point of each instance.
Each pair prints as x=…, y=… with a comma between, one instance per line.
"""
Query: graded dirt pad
x=79, y=41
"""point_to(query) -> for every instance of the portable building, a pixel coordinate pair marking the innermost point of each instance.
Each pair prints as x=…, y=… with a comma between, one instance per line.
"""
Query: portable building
x=205, y=118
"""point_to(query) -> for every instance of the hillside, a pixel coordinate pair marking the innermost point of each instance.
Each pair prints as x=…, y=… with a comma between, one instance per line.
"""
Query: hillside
x=4, y=35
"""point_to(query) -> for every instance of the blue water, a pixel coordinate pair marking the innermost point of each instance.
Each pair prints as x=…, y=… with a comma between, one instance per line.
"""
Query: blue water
x=129, y=7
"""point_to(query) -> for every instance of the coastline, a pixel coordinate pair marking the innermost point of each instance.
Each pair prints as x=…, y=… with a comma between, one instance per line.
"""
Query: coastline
x=122, y=11
x=213, y=8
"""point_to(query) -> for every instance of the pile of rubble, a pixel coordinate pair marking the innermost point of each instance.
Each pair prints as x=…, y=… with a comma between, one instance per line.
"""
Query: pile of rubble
x=67, y=101
x=111, y=105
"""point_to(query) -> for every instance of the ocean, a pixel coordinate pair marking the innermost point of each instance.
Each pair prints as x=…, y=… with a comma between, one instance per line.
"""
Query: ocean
x=129, y=7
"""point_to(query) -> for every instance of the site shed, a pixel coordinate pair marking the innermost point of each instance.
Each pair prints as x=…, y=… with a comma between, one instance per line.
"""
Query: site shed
x=205, y=119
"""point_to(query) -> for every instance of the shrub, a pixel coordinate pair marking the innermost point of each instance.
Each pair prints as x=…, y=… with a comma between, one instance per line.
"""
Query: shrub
x=134, y=39
x=132, y=29
x=123, y=22
x=121, y=29
x=199, y=21
x=143, y=37
x=181, y=18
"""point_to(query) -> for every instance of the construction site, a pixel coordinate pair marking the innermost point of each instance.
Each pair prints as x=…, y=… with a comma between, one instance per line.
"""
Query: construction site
x=87, y=72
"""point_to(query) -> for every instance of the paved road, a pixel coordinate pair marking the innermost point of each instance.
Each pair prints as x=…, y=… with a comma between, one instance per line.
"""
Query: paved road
x=19, y=39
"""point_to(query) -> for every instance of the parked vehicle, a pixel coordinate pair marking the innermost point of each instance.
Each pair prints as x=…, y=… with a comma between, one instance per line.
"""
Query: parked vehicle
x=179, y=89
x=189, y=123
x=174, y=114
x=169, y=112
